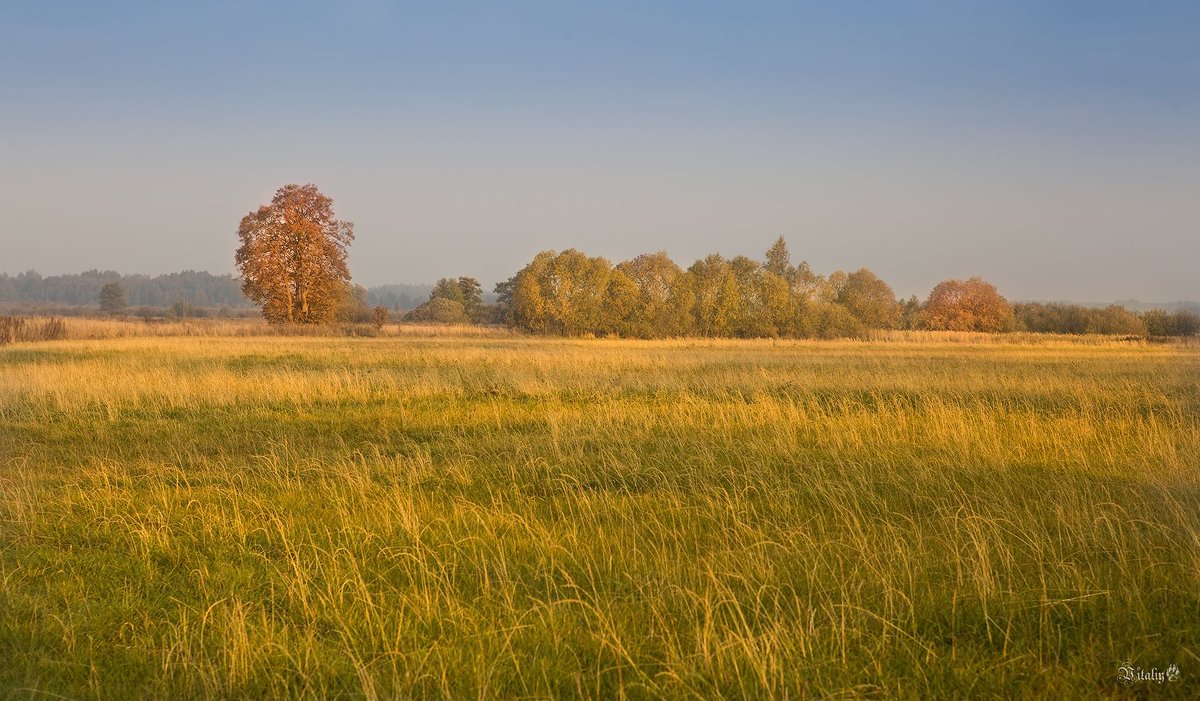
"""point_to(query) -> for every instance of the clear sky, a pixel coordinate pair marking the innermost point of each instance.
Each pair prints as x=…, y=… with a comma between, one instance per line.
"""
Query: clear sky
x=1051, y=147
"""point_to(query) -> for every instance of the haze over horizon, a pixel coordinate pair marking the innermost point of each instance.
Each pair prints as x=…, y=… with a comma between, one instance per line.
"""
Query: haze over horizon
x=1053, y=150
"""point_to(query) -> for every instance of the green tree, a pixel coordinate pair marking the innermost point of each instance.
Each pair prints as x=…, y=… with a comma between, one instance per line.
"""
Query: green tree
x=718, y=300
x=472, y=293
x=466, y=291
x=869, y=299
x=187, y=310
x=528, y=306
x=677, y=318
x=779, y=261
x=1187, y=322
x=663, y=302
x=1181, y=323
x=439, y=310
x=909, y=312
x=835, y=321
x=831, y=287
x=1117, y=321
x=780, y=308
x=447, y=288
x=112, y=298
x=353, y=305
x=576, y=287
x=559, y=293
x=623, y=310
x=8, y=289
x=751, y=316
x=1076, y=319
x=806, y=284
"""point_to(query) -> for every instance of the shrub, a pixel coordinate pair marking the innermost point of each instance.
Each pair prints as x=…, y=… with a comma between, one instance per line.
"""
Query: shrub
x=1181, y=323
x=439, y=311
x=829, y=320
x=379, y=317
x=187, y=310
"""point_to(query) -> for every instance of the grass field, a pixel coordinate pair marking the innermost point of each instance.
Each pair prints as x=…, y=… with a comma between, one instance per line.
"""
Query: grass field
x=500, y=517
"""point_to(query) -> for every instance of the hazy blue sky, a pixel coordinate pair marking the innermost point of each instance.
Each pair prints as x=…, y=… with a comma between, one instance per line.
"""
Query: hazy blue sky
x=1051, y=147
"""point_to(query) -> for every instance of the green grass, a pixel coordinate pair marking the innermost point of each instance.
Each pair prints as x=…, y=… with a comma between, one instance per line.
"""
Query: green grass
x=512, y=518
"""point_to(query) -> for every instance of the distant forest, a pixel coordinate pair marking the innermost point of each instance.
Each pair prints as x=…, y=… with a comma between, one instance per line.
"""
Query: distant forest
x=190, y=288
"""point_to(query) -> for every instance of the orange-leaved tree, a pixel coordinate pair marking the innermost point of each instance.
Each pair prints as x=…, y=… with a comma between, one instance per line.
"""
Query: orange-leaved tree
x=971, y=305
x=292, y=257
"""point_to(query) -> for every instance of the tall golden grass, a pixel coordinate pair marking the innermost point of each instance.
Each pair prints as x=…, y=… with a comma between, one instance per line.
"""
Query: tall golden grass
x=85, y=328
x=91, y=328
x=502, y=517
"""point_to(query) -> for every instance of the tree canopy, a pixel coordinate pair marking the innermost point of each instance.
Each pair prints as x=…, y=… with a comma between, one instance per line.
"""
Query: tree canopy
x=292, y=256
x=970, y=305
x=112, y=298
x=439, y=310
x=466, y=291
x=649, y=296
x=869, y=299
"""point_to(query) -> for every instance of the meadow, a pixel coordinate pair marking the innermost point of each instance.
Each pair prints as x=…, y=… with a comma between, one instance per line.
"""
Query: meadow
x=443, y=515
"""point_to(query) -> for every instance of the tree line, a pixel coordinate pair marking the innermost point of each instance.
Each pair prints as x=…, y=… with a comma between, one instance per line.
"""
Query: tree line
x=292, y=263
x=569, y=293
x=196, y=291
x=193, y=287
x=1113, y=319
x=650, y=296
